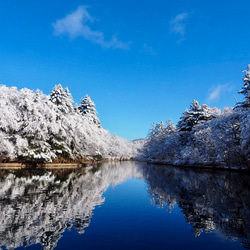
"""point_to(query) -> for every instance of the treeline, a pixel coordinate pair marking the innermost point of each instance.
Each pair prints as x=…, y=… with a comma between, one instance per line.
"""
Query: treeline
x=204, y=135
x=43, y=128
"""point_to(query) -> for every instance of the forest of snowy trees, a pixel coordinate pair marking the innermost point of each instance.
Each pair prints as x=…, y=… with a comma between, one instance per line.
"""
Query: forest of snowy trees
x=35, y=127
x=204, y=136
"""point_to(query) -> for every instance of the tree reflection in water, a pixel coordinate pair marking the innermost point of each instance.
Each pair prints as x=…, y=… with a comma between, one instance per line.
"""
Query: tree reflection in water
x=209, y=199
x=38, y=206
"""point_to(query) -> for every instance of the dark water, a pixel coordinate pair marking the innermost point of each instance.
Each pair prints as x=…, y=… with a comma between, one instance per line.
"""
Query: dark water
x=124, y=206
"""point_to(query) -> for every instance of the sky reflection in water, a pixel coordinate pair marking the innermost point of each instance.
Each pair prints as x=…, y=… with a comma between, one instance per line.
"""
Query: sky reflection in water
x=125, y=206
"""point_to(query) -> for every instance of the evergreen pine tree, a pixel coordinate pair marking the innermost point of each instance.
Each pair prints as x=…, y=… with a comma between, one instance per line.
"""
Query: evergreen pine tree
x=196, y=114
x=245, y=90
x=87, y=108
x=56, y=94
x=170, y=127
x=62, y=98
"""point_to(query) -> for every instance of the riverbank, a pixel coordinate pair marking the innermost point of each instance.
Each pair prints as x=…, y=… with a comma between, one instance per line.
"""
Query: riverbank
x=200, y=165
x=45, y=166
x=57, y=165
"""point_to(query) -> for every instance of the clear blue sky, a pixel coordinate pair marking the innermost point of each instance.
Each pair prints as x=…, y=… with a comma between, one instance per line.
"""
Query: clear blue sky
x=140, y=61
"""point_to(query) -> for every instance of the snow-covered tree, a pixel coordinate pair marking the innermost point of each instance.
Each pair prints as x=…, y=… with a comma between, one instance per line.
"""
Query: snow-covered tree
x=62, y=98
x=87, y=108
x=205, y=136
x=35, y=127
x=157, y=136
x=245, y=90
x=170, y=127
x=195, y=115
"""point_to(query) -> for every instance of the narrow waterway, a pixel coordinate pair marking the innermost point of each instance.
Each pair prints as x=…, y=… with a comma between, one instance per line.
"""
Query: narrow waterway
x=127, y=205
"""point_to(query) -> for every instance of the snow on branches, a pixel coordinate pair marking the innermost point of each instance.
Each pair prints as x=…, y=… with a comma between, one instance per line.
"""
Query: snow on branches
x=245, y=90
x=87, y=109
x=205, y=136
x=62, y=98
x=196, y=115
x=36, y=127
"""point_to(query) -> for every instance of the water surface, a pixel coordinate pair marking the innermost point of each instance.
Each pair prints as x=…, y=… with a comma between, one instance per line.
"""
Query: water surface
x=124, y=205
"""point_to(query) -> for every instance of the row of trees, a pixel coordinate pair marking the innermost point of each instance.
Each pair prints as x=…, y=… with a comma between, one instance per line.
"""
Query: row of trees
x=204, y=135
x=37, y=127
x=64, y=100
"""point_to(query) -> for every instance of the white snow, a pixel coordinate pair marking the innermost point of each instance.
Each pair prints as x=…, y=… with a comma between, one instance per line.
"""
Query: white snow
x=204, y=136
x=36, y=126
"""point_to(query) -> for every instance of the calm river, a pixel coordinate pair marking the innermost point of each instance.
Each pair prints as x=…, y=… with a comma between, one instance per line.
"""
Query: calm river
x=126, y=205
